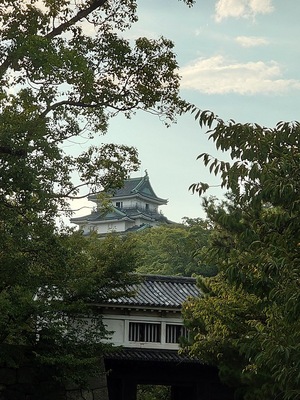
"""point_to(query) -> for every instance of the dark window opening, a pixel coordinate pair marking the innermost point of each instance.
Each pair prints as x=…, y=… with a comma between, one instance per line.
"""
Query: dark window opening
x=174, y=332
x=143, y=332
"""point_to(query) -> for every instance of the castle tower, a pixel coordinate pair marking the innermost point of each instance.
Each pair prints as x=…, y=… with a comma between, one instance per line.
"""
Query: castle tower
x=132, y=207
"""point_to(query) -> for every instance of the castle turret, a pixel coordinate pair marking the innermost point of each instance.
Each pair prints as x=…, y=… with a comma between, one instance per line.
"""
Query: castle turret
x=132, y=207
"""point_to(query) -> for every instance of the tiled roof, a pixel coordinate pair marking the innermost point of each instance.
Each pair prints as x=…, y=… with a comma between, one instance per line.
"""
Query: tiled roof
x=130, y=186
x=159, y=291
x=120, y=214
x=135, y=354
x=137, y=228
x=133, y=188
x=113, y=214
x=137, y=213
x=140, y=186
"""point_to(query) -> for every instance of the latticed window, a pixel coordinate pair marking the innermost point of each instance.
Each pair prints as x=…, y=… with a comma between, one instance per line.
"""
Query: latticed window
x=144, y=332
x=174, y=332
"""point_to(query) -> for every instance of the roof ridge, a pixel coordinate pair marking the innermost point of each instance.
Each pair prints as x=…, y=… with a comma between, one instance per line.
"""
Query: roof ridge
x=136, y=188
x=169, y=278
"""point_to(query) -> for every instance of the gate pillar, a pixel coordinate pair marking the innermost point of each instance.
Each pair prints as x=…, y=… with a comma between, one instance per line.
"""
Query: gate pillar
x=129, y=389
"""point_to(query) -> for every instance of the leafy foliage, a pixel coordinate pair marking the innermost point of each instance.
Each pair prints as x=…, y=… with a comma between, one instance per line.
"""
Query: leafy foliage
x=65, y=70
x=247, y=322
x=150, y=392
x=48, y=304
x=174, y=249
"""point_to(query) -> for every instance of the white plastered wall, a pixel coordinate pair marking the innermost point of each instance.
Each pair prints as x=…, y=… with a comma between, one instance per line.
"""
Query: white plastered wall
x=119, y=324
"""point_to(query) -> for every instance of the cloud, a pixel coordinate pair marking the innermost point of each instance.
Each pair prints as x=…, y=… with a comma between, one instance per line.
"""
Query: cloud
x=251, y=41
x=217, y=75
x=242, y=8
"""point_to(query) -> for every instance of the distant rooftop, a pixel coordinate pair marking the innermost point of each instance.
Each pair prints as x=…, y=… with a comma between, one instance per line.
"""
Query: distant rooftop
x=135, y=187
x=133, y=207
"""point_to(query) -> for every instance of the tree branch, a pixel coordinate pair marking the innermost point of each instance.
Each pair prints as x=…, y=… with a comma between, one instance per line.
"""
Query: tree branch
x=68, y=103
x=17, y=153
x=81, y=14
x=94, y=4
x=85, y=105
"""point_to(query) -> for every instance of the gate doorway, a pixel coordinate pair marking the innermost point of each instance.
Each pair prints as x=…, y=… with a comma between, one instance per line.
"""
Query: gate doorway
x=153, y=392
x=187, y=379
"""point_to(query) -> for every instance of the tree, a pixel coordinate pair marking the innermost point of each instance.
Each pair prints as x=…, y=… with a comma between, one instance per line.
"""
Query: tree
x=153, y=392
x=49, y=315
x=174, y=249
x=247, y=321
x=65, y=71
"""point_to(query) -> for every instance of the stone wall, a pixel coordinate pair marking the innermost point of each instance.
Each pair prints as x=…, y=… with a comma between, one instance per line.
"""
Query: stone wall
x=27, y=383
x=97, y=390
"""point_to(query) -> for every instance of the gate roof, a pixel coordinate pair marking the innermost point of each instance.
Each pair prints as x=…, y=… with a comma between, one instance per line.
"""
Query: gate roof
x=159, y=291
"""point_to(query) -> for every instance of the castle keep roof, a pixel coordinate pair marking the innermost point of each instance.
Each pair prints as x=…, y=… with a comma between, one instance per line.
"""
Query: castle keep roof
x=135, y=187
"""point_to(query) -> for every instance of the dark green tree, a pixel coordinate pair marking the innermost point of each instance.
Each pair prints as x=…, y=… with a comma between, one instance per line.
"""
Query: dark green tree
x=247, y=321
x=65, y=70
x=153, y=392
x=49, y=315
x=174, y=249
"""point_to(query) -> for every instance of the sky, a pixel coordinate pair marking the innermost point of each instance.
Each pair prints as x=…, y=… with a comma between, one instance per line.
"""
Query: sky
x=237, y=58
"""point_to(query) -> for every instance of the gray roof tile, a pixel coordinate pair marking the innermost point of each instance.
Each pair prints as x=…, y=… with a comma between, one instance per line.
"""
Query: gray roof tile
x=159, y=291
x=140, y=186
x=135, y=354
